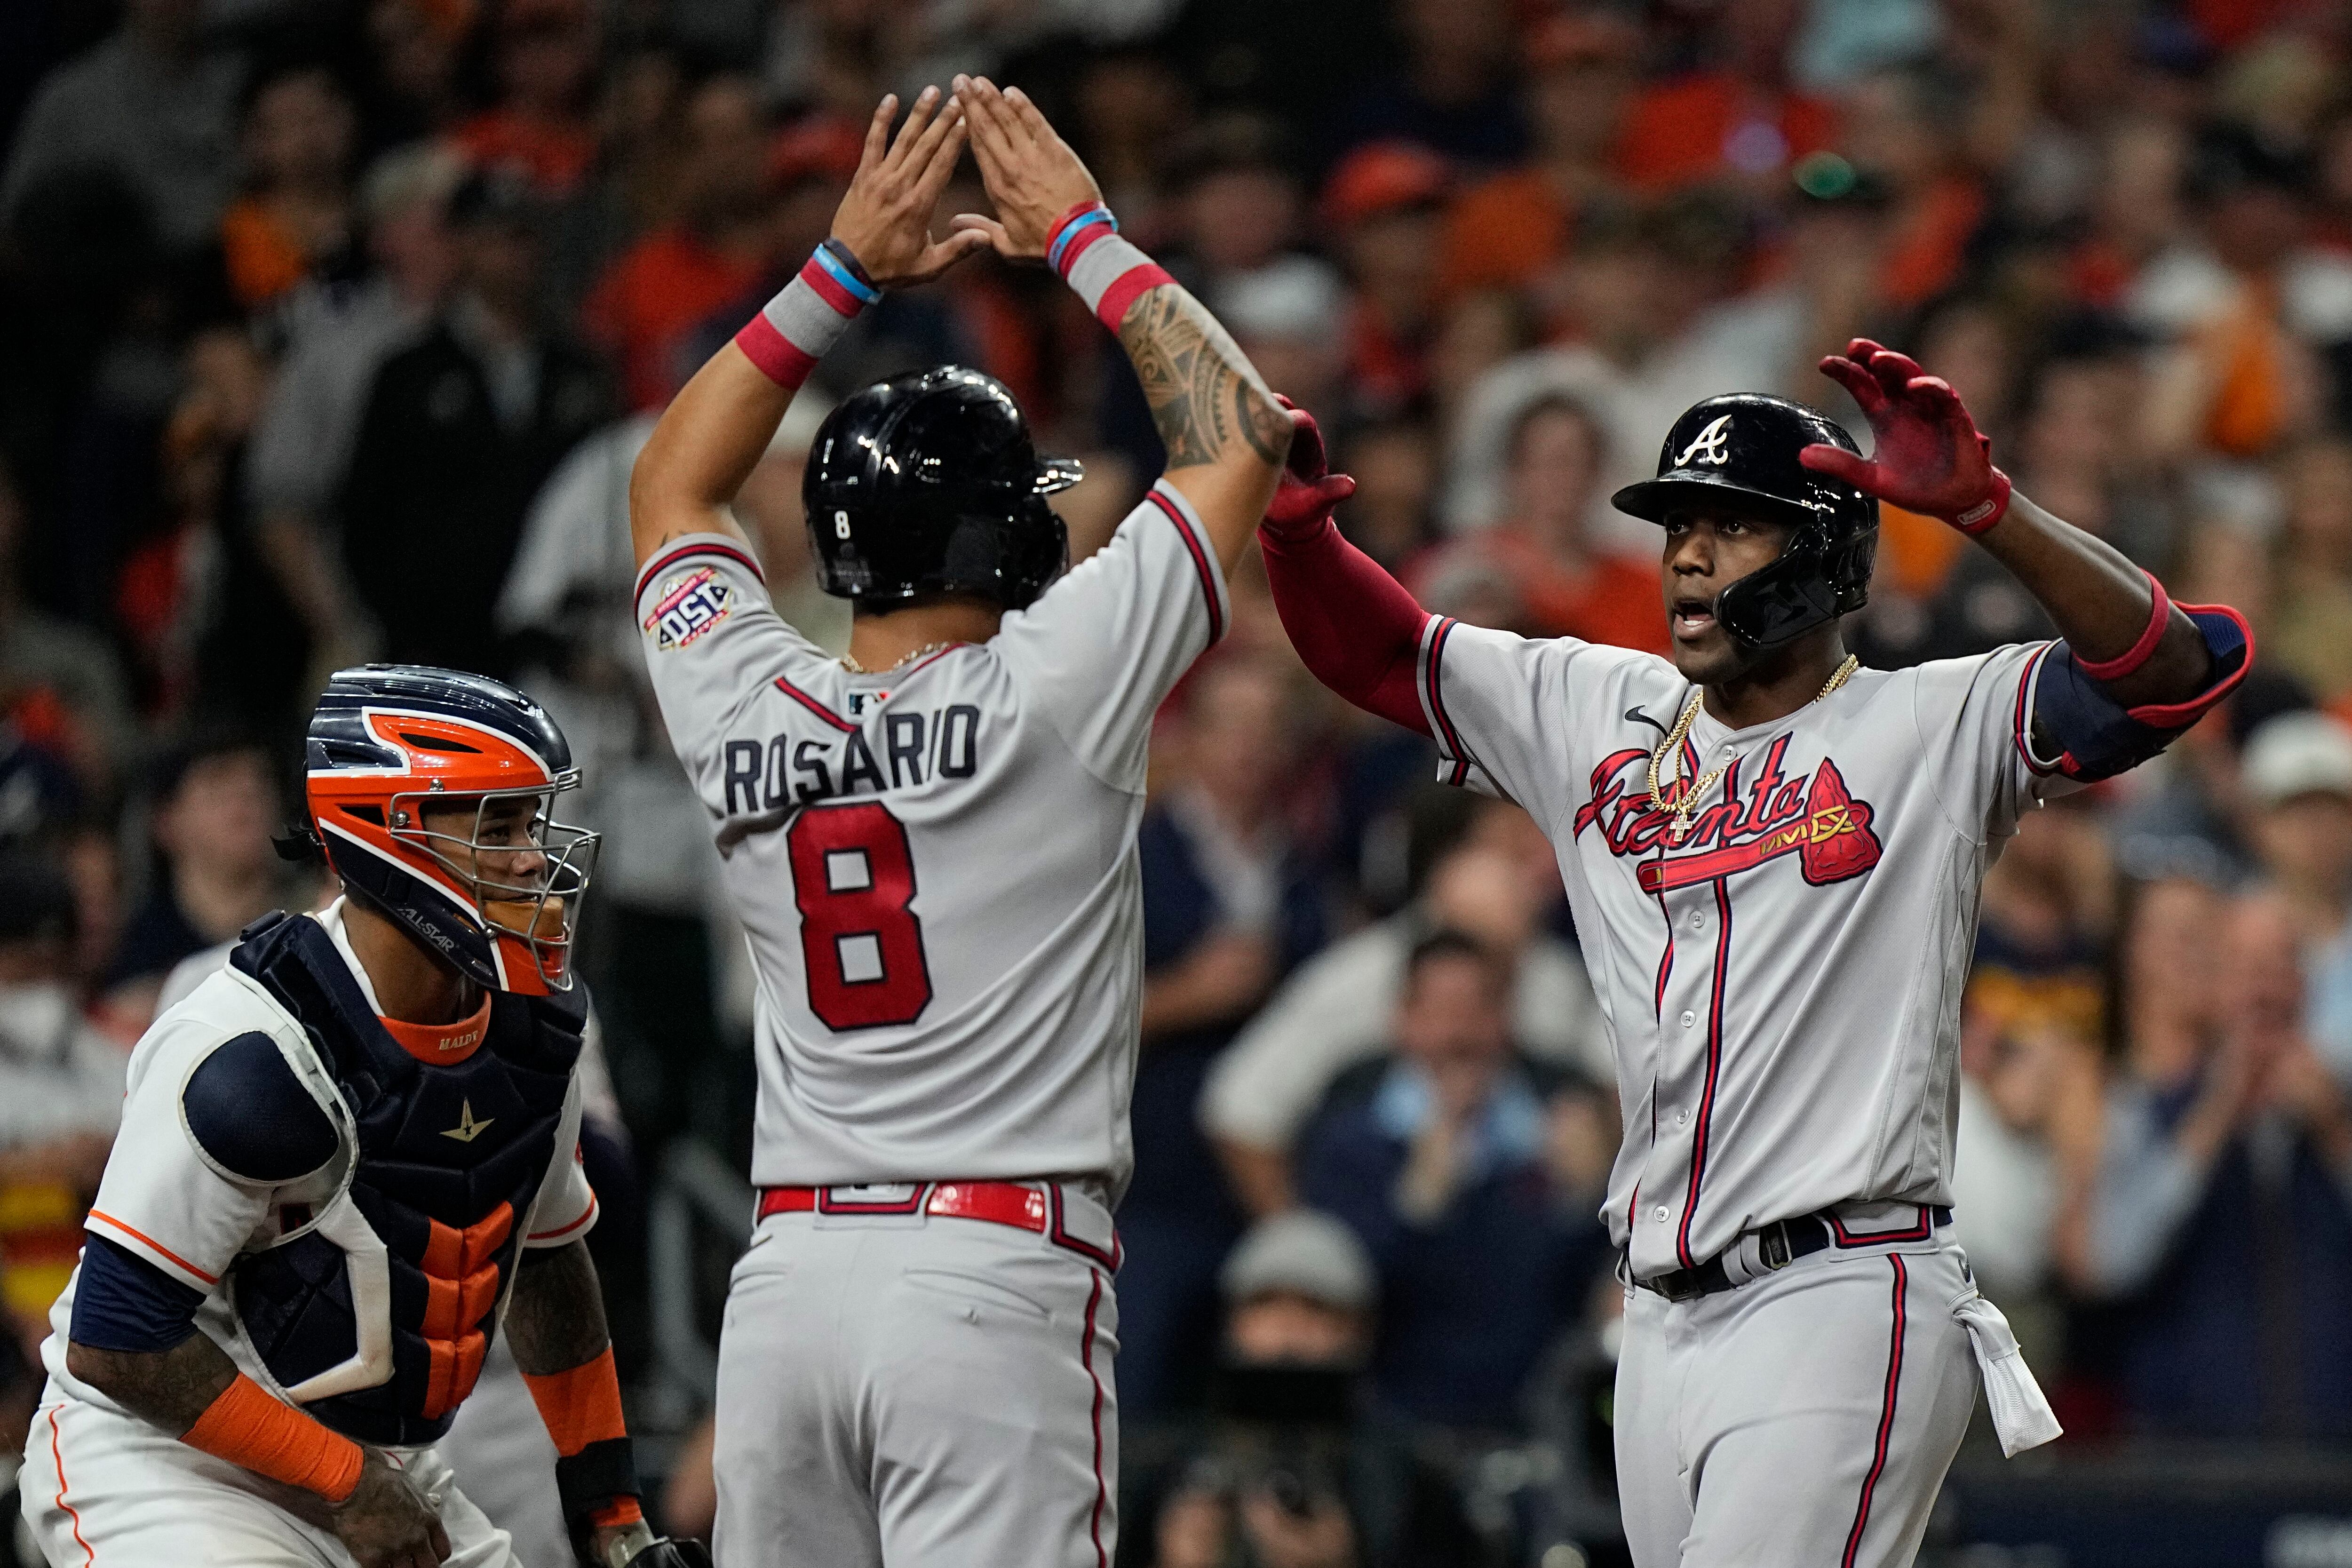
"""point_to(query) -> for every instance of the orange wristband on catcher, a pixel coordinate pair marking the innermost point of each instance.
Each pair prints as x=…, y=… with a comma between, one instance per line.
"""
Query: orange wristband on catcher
x=250, y=1426
x=596, y=1469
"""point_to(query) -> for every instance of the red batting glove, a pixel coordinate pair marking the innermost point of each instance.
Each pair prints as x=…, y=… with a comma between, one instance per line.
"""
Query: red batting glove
x=1308, y=492
x=1930, y=457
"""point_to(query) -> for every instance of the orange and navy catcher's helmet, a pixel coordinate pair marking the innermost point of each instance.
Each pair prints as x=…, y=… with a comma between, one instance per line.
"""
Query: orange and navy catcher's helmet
x=386, y=742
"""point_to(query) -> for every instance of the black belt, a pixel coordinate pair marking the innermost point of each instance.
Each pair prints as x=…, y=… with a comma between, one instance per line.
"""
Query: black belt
x=1781, y=1243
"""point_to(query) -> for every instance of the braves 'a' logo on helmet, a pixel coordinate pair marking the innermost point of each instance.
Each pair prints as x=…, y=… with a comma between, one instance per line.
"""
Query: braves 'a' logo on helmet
x=432, y=793
x=1713, y=445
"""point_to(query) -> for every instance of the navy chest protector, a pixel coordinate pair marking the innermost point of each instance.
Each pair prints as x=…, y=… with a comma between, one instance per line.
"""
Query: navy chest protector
x=450, y=1156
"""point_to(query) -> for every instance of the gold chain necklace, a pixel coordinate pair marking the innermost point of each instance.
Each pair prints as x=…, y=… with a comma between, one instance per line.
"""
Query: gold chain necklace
x=1681, y=810
x=854, y=667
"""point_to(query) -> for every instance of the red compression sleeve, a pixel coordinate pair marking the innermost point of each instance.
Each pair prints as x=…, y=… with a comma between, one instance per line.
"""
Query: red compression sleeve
x=1353, y=624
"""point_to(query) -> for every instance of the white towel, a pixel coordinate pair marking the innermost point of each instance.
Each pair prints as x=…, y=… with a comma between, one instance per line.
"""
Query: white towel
x=2020, y=1413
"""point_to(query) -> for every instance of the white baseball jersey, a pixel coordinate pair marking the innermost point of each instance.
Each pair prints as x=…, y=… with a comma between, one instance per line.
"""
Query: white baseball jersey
x=1783, y=984
x=935, y=867
x=169, y=1203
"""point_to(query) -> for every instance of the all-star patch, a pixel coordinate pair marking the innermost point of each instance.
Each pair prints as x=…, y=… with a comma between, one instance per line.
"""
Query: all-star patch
x=690, y=604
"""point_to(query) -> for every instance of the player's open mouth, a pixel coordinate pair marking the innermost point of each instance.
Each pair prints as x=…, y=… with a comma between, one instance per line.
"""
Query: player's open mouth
x=1692, y=618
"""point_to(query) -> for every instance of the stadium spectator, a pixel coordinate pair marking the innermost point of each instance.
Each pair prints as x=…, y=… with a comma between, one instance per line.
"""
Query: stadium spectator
x=60, y=681
x=1290, y=1468
x=461, y=428
x=295, y=220
x=1452, y=91
x=1395, y=466
x=662, y=286
x=1338, y=1009
x=2221, y=1210
x=60, y=1095
x=1556, y=454
x=1508, y=229
x=1230, y=905
x=2298, y=781
x=302, y=443
x=154, y=104
x=214, y=804
x=1384, y=206
x=546, y=63
x=1438, y=1158
x=1738, y=119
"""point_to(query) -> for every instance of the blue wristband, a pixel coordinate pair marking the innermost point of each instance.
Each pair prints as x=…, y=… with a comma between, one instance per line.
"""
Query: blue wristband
x=865, y=293
x=1077, y=227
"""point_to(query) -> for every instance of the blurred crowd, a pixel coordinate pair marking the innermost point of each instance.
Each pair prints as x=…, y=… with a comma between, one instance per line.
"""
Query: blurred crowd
x=334, y=326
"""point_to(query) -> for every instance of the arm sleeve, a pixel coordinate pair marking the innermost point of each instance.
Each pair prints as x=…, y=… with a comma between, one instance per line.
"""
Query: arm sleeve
x=711, y=637
x=1101, y=647
x=1353, y=625
x=160, y=1199
x=123, y=1302
x=565, y=1208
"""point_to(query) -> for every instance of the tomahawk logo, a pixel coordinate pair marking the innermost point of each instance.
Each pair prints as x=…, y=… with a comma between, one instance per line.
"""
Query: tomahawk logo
x=1713, y=446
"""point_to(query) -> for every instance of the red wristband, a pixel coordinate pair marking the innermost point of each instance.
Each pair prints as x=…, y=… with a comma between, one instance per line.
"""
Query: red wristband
x=1988, y=512
x=2131, y=659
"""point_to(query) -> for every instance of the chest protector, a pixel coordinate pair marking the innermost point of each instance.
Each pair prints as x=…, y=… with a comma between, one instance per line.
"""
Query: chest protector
x=449, y=1157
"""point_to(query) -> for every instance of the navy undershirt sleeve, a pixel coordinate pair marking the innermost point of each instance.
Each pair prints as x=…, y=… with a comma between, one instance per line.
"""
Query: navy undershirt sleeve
x=123, y=1302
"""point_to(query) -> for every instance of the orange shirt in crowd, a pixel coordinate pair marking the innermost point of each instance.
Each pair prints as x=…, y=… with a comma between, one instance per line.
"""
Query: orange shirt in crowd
x=1611, y=601
x=263, y=257
x=557, y=153
x=1925, y=253
x=1679, y=132
x=1503, y=232
x=653, y=293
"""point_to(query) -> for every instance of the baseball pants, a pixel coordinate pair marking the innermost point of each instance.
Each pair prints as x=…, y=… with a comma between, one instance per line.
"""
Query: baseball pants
x=920, y=1391
x=107, y=1490
x=1806, y=1416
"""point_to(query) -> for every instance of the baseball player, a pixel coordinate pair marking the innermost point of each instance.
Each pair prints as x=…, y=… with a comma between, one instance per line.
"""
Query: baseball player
x=346, y=1159
x=1773, y=857
x=931, y=846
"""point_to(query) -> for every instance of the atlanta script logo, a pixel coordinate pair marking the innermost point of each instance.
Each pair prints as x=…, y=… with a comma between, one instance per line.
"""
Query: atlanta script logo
x=1813, y=817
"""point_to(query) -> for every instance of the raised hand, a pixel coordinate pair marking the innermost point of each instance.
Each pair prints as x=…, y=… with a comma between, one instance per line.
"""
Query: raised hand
x=1030, y=172
x=1929, y=457
x=885, y=218
x=1308, y=491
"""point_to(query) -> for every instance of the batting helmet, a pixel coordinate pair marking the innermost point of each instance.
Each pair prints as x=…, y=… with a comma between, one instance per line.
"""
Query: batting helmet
x=1739, y=452
x=498, y=901
x=927, y=483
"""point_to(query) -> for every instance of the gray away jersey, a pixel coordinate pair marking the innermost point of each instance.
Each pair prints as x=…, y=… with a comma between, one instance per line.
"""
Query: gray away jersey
x=936, y=867
x=1783, y=986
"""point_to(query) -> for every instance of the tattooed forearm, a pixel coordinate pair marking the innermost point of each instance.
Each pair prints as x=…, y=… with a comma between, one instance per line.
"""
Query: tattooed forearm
x=171, y=1388
x=1205, y=397
x=556, y=1320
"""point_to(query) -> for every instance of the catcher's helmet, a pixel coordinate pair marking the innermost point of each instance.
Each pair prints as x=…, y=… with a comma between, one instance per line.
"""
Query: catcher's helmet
x=927, y=483
x=498, y=903
x=1741, y=452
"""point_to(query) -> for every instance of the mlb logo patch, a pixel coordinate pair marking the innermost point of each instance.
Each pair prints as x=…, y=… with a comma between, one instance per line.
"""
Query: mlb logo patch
x=690, y=604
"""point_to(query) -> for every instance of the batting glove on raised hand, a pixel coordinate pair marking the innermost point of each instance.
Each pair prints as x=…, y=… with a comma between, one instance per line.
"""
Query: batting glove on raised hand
x=1309, y=492
x=1929, y=456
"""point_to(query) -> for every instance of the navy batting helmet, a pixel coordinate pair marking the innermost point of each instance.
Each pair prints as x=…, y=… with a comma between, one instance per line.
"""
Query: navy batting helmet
x=927, y=483
x=390, y=744
x=1739, y=452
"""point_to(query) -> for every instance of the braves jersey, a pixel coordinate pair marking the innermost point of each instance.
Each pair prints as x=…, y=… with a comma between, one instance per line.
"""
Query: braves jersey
x=1782, y=983
x=935, y=865
x=170, y=1200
